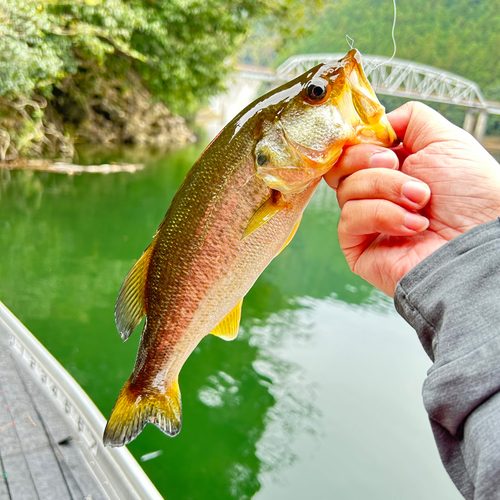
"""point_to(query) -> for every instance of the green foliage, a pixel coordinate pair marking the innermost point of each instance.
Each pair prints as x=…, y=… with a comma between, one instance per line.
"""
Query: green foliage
x=30, y=54
x=179, y=47
x=61, y=59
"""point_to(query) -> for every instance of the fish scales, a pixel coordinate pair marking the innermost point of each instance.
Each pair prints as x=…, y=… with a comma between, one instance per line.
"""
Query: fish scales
x=223, y=210
x=237, y=208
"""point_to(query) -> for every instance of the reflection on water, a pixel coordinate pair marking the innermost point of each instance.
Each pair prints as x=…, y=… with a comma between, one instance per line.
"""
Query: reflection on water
x=358, y=428
x=221, y=389
x=293, y=412
x=320, y=393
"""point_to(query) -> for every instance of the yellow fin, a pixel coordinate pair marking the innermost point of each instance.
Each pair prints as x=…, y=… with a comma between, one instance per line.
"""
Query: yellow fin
x=135, y=408
x=265, y=213
x=227, y=329
x=130, y=307
x=292, y=234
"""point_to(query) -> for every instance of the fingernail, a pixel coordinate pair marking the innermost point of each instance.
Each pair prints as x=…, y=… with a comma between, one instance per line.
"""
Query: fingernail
x=416, y=222
x=417, y=192
x=384, y=159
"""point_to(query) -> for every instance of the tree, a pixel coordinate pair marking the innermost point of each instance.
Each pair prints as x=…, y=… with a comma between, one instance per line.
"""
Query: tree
x=56, y=54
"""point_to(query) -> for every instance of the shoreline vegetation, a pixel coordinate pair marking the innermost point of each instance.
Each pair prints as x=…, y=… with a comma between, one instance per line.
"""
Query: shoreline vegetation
x=113, y=72
x=38, y=134
x=491, y=143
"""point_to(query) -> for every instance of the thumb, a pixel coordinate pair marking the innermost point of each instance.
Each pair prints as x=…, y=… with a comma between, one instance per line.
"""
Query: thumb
x=418, y=126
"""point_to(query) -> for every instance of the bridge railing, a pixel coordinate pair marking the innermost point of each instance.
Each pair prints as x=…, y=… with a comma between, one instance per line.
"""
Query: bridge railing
x=400, y=78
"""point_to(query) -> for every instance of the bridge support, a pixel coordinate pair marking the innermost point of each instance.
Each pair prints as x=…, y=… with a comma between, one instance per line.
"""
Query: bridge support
x=482, y=122
x=475, y=123
x=469, y=121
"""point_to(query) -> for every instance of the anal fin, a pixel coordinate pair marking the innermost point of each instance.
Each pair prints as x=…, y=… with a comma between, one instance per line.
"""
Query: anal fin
x=227, y=329
x=134, y=408
x=130, y=305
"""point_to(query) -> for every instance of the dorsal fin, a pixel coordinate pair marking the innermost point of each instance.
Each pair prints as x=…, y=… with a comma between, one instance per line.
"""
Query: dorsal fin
x=227, y=329
x=130, y=305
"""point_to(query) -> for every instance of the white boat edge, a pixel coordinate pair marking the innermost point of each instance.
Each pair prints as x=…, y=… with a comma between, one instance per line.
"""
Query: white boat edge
x=121, y=475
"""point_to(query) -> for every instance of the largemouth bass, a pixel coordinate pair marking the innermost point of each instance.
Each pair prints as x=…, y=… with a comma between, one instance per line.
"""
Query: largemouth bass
x=238, y=207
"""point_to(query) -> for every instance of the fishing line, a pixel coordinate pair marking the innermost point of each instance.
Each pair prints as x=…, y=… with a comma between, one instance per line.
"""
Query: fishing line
x=393, y=38
x=350, y=40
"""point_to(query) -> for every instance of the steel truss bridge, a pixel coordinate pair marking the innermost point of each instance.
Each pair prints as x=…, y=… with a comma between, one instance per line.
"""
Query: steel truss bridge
x=397, y=77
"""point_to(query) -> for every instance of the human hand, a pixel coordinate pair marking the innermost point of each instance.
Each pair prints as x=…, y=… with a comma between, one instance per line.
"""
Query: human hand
x=400, y=206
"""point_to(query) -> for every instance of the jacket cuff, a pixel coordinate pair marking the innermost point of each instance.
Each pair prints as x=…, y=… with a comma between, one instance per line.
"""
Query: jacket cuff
x=452, y=300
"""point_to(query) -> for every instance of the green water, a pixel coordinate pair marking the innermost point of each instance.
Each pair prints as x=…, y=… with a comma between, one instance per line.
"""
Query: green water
x=318, y=398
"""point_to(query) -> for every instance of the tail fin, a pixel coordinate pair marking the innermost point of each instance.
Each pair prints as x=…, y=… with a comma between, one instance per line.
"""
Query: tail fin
x=134, y=409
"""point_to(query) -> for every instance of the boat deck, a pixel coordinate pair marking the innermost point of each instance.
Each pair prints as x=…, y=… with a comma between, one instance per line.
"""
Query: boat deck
x=50, y=431
x=38, y=457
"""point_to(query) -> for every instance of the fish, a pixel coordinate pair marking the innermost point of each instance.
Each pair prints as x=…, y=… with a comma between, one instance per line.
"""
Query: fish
x=237, y=209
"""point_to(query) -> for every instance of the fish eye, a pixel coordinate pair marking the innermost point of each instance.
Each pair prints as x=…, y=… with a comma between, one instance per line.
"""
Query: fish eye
x=316, y=91
x=262, y=159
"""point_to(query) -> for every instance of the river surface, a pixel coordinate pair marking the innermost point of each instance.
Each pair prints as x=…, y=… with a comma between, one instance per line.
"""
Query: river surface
x=319, y=397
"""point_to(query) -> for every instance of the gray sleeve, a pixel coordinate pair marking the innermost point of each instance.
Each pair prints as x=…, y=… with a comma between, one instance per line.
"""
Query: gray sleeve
x=452, y=300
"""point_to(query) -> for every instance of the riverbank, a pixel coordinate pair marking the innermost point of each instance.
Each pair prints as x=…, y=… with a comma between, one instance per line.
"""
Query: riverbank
x=118, y=112
x=59, y=167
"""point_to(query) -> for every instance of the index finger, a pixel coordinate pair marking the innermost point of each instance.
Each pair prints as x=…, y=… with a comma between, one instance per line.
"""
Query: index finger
x=359, y=157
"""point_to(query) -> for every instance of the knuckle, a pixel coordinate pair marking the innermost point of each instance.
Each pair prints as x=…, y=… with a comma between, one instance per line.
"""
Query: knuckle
x=340, y=194
x=388, y=185
x=378, y=184
x=346, y=215
x=416, y=106
x=381, y=215
x=357, y=157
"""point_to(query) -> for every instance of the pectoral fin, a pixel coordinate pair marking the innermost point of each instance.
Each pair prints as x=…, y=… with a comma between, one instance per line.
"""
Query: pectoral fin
x=292, y=234
x=227, y=329
x=265, y=213
x=130, y=305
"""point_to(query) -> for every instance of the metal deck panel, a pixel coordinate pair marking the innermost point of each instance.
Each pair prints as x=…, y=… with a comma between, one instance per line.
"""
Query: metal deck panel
x=50, y=431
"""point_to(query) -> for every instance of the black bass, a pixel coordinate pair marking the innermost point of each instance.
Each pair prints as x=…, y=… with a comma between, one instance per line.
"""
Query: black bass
x=238, y=207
